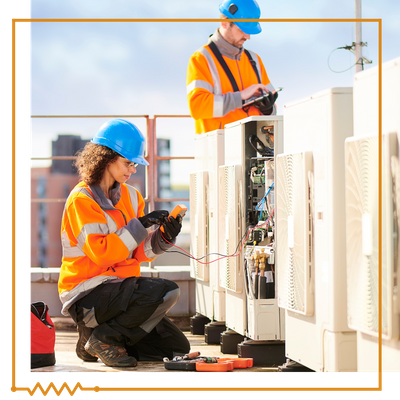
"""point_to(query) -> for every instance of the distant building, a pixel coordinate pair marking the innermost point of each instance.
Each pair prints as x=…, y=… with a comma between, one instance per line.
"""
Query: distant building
x=65, y=145
x=46, y=216
x=164, y=174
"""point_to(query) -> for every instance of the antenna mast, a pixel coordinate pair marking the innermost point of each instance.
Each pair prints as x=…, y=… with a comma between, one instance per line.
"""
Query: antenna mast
x=356, y=47
x=358, y=41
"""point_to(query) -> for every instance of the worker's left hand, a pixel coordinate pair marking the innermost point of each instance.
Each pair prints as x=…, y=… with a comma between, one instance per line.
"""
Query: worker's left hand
x=267, y=105
x=172, y=227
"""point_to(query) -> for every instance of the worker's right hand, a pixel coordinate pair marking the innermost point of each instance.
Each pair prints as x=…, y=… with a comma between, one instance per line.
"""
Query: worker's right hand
x=172, y=227
x=155, y=217
x=253, y=91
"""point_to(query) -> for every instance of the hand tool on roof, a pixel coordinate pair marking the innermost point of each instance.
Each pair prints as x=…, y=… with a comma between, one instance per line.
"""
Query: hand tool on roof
x=188, y=356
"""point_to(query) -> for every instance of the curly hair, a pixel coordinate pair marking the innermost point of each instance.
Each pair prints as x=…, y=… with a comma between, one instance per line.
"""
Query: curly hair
x=92, y=161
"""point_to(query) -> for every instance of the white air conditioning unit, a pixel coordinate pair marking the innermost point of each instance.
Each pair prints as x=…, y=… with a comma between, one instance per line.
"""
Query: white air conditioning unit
x=199, y=190
x=295, y=232
x=230, y=215
x=311, y=261
x=362, y=229
x=362, y=219
x=204, y=224
x=248, y=173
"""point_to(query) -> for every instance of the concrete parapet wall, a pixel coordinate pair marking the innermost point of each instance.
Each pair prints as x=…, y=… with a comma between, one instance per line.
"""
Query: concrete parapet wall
x=44, y=287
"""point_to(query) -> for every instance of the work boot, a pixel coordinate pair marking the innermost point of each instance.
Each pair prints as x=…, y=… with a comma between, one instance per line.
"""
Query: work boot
x=113, y=356
x=84, y=335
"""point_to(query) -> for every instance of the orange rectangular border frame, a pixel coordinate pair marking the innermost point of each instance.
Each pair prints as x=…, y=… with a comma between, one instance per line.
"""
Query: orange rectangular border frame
x=99, y=389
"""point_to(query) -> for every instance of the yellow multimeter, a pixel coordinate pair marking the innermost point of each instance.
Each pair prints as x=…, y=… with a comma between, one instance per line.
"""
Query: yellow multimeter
x=180, y=209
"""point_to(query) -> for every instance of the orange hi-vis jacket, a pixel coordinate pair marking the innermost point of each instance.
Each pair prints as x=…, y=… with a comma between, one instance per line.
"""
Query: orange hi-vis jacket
x=102, y=242
x=212, y=101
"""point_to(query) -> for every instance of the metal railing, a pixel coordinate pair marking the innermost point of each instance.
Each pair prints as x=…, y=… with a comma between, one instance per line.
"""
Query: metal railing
x=152, y=156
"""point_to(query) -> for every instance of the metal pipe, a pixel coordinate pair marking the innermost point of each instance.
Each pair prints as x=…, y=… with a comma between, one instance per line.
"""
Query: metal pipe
x=55, y=158
x=151, y=157
x=358, y=39
x=89, y=116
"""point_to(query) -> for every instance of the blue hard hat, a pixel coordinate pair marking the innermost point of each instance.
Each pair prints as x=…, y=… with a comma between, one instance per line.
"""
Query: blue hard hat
x=242, y=9
x=123, y=137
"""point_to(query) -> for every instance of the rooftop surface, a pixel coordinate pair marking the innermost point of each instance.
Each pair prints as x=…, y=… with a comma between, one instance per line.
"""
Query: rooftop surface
x=67, y=360
x=76, y=376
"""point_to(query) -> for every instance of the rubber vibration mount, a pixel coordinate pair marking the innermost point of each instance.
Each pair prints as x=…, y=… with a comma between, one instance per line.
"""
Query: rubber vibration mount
x=229, y=341
x=263, y=352
x=293, y=366
x=197, y=323
x=212, y=332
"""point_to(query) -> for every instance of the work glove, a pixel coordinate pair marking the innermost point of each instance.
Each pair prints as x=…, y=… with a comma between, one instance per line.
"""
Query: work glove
x=172, y=226
x=266, y=106
x=155, y=217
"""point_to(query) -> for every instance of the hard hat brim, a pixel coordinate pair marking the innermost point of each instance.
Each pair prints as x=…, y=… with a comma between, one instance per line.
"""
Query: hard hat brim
x=249, y=28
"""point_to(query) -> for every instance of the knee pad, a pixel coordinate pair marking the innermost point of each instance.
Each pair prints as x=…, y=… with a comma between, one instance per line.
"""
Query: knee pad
x=171, y=298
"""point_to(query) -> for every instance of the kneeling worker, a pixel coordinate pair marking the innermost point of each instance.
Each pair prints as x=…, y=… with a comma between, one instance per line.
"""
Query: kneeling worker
x=121, y=316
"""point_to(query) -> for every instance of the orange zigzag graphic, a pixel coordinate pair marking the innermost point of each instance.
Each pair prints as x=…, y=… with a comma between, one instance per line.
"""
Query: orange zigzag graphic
x=54, y=389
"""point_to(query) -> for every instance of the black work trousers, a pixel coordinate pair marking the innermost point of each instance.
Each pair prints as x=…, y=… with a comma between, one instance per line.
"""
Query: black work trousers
x=131, y=313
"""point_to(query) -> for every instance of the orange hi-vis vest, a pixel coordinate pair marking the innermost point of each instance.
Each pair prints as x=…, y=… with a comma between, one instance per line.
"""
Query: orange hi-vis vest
x=101, y=241
x=212, y=101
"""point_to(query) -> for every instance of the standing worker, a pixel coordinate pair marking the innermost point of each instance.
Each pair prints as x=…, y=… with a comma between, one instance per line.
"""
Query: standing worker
x=221, y=79
x=121, y=316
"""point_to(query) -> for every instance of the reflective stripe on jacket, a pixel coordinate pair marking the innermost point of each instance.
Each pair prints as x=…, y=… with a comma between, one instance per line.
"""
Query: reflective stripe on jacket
x=102, y=241
x=212, y=101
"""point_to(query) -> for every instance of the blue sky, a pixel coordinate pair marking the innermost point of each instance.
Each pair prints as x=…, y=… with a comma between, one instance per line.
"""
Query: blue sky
x=140, y=68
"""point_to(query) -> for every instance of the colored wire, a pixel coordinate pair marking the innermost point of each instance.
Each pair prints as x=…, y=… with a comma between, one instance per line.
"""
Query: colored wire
x=260, y=205
x=233, y=255
x=209, y=254
x=339, y=72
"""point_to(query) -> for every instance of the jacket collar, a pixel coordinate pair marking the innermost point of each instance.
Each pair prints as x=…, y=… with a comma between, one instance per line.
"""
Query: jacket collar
x=101, y=198
x=224, y=47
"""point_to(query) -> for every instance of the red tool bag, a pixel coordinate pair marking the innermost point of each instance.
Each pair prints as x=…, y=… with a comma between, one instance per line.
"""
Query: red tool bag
x=43, y=336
